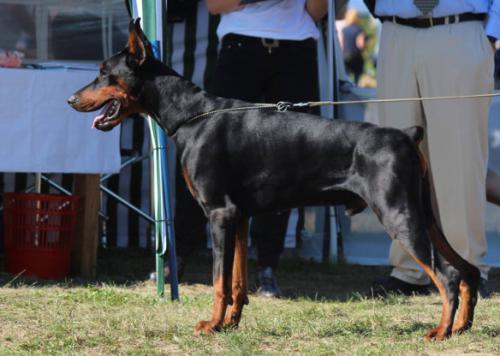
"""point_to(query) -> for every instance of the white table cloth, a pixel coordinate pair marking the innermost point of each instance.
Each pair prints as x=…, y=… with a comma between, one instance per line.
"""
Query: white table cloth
x=40, y=132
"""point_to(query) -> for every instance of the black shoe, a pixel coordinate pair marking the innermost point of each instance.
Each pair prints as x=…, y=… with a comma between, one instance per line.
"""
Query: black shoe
x=166, y=271
x=484, y=291
x=266, y=283
x=384, y=286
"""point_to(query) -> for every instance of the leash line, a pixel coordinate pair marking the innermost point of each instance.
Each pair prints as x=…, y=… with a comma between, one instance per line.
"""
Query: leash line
x=397, y=100
x=213, y=112
x=242, y=108
x=283, y=106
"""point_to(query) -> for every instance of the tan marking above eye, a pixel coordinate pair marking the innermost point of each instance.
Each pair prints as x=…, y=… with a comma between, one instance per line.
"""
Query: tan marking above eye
x=122, y=84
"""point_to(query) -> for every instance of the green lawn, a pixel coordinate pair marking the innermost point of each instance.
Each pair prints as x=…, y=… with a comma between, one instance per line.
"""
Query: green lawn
x=324, y=312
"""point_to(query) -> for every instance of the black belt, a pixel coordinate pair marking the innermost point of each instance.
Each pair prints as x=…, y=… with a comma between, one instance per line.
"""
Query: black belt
x=426, y=22
x=268, y=43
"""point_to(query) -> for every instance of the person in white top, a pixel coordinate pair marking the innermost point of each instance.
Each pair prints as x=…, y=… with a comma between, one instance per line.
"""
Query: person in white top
x=275, y=19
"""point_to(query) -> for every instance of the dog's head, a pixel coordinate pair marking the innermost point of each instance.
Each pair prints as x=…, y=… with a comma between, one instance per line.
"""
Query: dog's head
x=117, y=87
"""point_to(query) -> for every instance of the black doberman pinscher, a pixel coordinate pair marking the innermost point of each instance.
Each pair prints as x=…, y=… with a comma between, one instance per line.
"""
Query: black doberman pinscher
x=240, y=163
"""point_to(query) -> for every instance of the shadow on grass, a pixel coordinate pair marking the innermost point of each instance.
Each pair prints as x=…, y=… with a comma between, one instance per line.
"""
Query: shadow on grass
x=119, y=267
x=297, y=278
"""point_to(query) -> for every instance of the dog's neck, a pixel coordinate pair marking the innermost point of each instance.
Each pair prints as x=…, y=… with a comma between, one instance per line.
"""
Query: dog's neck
x=172, y=100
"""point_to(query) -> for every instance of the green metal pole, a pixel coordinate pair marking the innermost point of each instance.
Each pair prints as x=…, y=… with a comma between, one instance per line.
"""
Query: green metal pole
x=147, y=11
x=149, y=28
x=151, y=13
x=157, y=210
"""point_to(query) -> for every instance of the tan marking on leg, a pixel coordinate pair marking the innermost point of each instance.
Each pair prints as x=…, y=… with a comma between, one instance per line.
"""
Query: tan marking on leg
x=218, y=310
x=443, y=330
x=466, y=311
x=240, y=277
x=189, y=182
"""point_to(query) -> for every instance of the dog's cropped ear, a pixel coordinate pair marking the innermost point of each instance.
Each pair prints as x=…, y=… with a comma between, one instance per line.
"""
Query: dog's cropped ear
x=416, y=133
x=138, y=45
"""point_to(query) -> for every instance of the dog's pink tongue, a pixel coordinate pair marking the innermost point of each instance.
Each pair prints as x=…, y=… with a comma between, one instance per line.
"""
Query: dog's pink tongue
x=97, y=119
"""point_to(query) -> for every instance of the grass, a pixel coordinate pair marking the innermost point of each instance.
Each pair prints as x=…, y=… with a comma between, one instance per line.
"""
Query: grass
x=324, y=313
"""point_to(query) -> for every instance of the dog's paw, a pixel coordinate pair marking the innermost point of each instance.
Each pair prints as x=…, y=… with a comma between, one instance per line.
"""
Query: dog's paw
x=206, y=327
x=436, y=334
x=460, y=329
x=231, y=321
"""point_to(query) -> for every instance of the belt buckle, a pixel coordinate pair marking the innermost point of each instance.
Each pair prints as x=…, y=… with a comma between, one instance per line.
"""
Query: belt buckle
x=273, y=43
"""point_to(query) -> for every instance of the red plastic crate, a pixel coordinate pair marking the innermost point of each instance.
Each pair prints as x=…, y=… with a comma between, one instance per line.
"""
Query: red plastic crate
x=39, y=234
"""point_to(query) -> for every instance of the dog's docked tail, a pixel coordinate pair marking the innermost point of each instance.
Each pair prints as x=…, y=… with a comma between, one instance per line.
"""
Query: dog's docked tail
x=416, y=133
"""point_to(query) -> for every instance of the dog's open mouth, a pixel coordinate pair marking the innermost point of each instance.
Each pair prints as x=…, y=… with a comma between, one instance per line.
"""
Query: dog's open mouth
x=108, y=115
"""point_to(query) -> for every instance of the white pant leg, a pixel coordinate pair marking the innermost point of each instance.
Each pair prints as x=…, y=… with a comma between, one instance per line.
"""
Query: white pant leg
x=397, y=78
x=456, y=130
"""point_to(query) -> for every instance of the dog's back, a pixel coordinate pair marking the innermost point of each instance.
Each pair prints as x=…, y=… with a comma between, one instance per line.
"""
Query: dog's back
x=267, y=160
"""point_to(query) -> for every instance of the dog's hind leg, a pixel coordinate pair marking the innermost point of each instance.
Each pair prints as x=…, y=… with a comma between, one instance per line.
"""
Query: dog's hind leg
x=451, y=274
x=223, y=228
x=240, y=277
x=445, y=278
x=468, y=300
x=465, y=275
x=404, y=219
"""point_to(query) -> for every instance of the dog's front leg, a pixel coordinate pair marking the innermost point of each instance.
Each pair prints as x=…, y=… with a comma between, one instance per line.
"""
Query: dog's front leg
x=223, y=228
x=240, y=277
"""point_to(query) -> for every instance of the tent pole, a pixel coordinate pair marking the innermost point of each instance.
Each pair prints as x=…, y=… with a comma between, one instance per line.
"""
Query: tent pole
x=333, y=94
x=169, y=244
x=151, y=14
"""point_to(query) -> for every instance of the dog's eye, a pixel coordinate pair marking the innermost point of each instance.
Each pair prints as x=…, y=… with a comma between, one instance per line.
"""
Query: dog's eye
x=112, y=79
x=103, y=71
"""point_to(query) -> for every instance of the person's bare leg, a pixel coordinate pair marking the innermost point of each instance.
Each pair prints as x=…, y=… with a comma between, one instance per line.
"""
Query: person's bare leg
x=493, y=187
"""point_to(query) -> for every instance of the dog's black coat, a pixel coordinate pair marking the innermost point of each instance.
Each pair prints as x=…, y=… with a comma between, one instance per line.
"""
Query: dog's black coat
x=242, y=163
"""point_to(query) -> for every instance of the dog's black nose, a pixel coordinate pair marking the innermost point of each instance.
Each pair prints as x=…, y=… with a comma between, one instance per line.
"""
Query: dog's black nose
x=73, y=99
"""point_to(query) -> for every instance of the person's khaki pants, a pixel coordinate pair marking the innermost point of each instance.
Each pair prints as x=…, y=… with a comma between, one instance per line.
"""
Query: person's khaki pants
x=445, y=60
